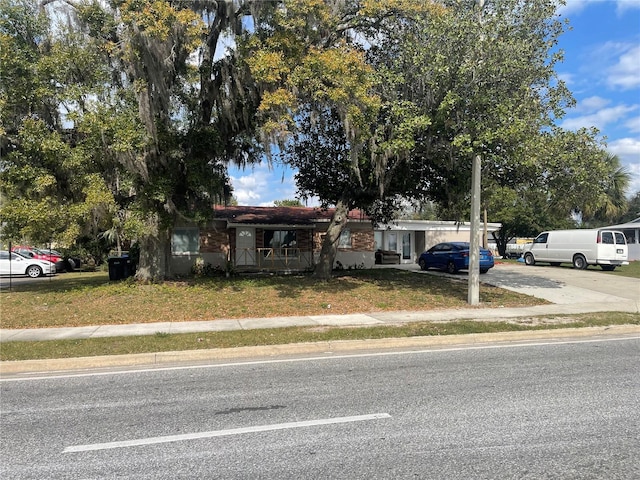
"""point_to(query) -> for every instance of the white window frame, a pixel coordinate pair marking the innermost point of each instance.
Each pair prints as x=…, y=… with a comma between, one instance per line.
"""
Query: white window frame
x=346, y=239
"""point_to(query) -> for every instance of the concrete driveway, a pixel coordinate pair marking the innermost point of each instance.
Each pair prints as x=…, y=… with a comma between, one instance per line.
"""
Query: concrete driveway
x=565, y=285
x=560, y=285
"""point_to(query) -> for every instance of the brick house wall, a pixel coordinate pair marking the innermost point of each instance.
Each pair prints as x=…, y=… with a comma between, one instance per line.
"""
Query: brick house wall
x=361, y=241
x=212, y=241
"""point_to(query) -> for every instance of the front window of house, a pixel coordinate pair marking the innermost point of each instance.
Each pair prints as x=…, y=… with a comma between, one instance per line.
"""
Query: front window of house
x=377, y=240
x=393, y=241
x=630, y=234
x=345, y=239
x=185, y=241
x=279, y=240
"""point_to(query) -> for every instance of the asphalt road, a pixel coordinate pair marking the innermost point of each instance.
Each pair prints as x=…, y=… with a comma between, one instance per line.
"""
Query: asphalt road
x=6, y=281
x=563, y=410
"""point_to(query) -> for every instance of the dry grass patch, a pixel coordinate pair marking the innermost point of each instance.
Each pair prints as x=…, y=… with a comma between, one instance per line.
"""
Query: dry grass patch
x=90, y=299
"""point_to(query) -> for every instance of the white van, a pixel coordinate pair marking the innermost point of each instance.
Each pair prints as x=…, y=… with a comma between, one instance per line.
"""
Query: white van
x=607, y=248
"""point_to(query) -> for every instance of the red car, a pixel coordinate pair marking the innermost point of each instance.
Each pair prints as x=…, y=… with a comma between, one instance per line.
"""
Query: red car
x=32, y=252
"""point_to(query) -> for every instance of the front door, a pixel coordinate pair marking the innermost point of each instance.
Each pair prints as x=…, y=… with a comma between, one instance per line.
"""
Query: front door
x=245, y=246
x=392, y=241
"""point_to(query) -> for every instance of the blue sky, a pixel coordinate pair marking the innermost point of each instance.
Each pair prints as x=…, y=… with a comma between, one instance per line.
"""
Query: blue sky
x=601, y=68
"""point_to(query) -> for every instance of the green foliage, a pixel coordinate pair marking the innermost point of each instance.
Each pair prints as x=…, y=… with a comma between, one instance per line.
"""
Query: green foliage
x=522, y=213
x=106, y=121
x=43, y=184
x=612, y=201
x=633, y=209
x=288, y=203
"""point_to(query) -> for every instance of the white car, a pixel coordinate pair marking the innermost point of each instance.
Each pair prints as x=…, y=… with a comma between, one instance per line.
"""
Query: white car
x=19, y=265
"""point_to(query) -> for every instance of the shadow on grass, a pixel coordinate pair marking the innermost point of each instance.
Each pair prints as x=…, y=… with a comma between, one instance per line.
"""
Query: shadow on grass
x=295, y=286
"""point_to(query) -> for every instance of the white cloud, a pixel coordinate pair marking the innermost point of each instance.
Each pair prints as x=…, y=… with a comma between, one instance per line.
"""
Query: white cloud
x=628, y=149
x=573, y=6
x=262, y=185
x=633, y=124
x=577, y=6
x=591, y=104
x=249, y=189
x=600, y=118
x=626, y=73
x=625, y=5
x=566, y=77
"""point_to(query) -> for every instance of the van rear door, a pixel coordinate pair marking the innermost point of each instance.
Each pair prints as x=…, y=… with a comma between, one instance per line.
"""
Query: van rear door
x=612, y=247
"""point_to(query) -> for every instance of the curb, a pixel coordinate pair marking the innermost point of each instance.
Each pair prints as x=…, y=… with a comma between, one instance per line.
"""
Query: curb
x=150, y=360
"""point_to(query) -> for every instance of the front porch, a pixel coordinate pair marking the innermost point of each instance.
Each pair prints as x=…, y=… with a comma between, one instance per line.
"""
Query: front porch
x=271, y=259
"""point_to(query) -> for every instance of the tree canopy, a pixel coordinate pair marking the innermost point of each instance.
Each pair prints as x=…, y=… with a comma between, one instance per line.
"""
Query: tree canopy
x=120, y=117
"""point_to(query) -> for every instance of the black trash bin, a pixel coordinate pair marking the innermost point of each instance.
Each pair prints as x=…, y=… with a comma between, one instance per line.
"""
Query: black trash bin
x=116, y=268
x=120, y=268
x=129, y=268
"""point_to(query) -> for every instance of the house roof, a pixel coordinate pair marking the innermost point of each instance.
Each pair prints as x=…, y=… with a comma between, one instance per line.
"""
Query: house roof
x=286, y=216
x=434, y=225
x=632, y=224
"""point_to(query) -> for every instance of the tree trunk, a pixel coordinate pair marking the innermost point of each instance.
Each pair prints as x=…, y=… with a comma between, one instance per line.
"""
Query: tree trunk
x=155, y=252
x=330, y=243
x=501, y=243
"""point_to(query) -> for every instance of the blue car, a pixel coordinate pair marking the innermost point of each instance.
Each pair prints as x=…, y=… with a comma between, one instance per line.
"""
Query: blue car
x=453, y=256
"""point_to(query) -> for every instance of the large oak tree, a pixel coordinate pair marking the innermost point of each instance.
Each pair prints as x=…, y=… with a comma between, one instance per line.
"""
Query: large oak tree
x=139, y=93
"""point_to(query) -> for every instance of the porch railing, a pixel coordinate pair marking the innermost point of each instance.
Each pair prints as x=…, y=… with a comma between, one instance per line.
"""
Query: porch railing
x=272, y=258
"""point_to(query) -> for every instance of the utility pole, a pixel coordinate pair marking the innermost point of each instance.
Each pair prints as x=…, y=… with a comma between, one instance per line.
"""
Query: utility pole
x=474, y=240
x=473, y=296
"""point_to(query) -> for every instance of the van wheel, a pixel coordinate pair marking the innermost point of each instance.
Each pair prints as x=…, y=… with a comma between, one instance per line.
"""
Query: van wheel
x=528, y=259
x=608, y=268
x=579, y=262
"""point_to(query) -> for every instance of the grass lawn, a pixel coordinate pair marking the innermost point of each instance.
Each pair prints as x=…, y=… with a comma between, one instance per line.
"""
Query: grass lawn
x=81, y=299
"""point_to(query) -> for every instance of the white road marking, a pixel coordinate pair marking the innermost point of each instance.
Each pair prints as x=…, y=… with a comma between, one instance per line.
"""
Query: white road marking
x=329, y=356
x=221, y=433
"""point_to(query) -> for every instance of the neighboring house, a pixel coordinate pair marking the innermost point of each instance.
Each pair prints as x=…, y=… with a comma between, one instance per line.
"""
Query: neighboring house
x=290, y=238
x=412, y=237
x=631, y=230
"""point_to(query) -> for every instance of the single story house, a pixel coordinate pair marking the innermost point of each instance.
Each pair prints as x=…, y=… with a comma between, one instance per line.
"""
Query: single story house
x=412, y=237
x=282, y=239
x=631, y=230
